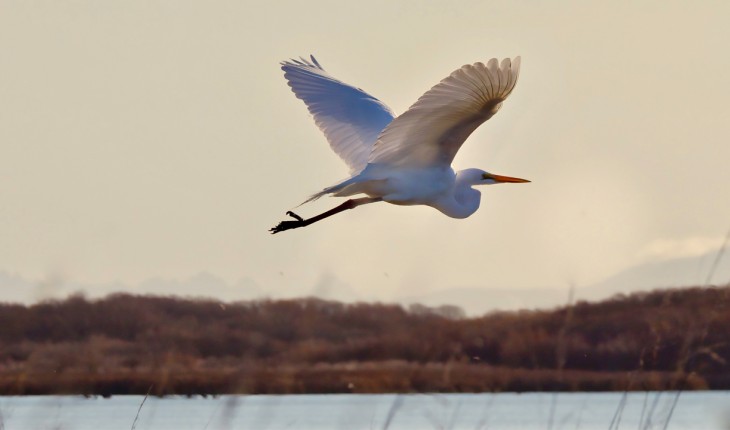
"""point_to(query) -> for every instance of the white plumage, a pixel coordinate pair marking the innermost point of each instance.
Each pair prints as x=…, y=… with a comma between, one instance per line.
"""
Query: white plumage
x=404, y=160
x=350, y=118
x=432, y=130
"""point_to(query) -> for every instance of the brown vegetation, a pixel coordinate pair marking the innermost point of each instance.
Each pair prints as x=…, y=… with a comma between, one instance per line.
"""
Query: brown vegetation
x=124, y=344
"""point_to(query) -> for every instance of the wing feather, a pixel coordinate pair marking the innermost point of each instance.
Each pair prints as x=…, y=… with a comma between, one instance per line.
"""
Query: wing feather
x=433, y=129
x=350, y=118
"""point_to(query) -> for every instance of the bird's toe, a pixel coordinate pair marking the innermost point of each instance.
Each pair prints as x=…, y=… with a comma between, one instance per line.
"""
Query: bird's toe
x=287, y=225
x=295, y=216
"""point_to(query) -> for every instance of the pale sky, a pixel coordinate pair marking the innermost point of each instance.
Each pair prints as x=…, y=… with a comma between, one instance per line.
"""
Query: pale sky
x=148, y=140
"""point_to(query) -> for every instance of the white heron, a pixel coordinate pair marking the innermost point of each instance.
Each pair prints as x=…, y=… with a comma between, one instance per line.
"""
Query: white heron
x=404, y=160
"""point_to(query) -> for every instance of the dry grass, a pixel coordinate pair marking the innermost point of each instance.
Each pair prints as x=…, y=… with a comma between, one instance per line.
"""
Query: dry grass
x=673, y=339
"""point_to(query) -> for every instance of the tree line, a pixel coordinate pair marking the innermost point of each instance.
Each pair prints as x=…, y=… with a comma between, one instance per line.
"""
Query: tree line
x=665, y=339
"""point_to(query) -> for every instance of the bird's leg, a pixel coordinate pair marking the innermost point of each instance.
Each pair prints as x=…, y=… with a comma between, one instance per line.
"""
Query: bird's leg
x=301, y=222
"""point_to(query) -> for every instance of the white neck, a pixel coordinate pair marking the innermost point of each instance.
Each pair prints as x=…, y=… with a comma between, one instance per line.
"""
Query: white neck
x=463, y=199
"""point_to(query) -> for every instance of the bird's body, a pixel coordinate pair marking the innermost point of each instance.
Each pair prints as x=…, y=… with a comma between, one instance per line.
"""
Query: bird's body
x=408, y=186
x=404, y=160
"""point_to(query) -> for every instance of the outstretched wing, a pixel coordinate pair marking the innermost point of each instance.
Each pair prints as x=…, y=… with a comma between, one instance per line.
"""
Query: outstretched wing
x=350, y=118
x=432, y=130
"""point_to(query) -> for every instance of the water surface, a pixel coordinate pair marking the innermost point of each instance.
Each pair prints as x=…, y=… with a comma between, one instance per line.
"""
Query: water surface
x=689, y=410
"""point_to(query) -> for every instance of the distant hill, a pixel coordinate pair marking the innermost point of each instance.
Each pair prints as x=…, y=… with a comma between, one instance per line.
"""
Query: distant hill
x=474, y=300
x=16, y=289
x=680, y=272
x=674, y=273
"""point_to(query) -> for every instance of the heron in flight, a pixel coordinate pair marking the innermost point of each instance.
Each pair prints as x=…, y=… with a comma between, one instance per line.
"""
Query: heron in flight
x=404, y=160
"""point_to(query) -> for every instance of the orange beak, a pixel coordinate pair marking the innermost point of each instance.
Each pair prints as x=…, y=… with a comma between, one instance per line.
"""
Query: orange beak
x=499, y=178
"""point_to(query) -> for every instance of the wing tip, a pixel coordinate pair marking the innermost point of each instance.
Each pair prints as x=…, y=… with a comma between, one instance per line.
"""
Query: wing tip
x=516, y=62
x=302, y=63
x=506, y=71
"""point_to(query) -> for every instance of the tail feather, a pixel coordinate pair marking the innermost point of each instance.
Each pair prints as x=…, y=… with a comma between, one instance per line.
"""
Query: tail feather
x=314, y=197
x=329, y=190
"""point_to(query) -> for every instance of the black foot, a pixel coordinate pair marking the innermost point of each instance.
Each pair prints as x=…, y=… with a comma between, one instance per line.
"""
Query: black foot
x=288, y=225
x=295, y=216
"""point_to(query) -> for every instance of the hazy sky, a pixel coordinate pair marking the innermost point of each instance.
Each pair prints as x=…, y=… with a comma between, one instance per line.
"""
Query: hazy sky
x=158, y=139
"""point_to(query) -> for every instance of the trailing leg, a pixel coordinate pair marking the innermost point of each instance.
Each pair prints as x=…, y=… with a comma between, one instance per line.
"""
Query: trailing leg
x=301, y=222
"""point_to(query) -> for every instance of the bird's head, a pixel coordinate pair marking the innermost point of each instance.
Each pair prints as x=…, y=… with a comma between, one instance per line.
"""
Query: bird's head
x=480, y=177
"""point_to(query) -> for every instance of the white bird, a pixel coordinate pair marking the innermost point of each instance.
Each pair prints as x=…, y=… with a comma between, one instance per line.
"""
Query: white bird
x=404, y=160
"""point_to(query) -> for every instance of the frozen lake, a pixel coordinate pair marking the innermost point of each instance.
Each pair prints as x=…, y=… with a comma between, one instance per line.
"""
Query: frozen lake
x=693, y=410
